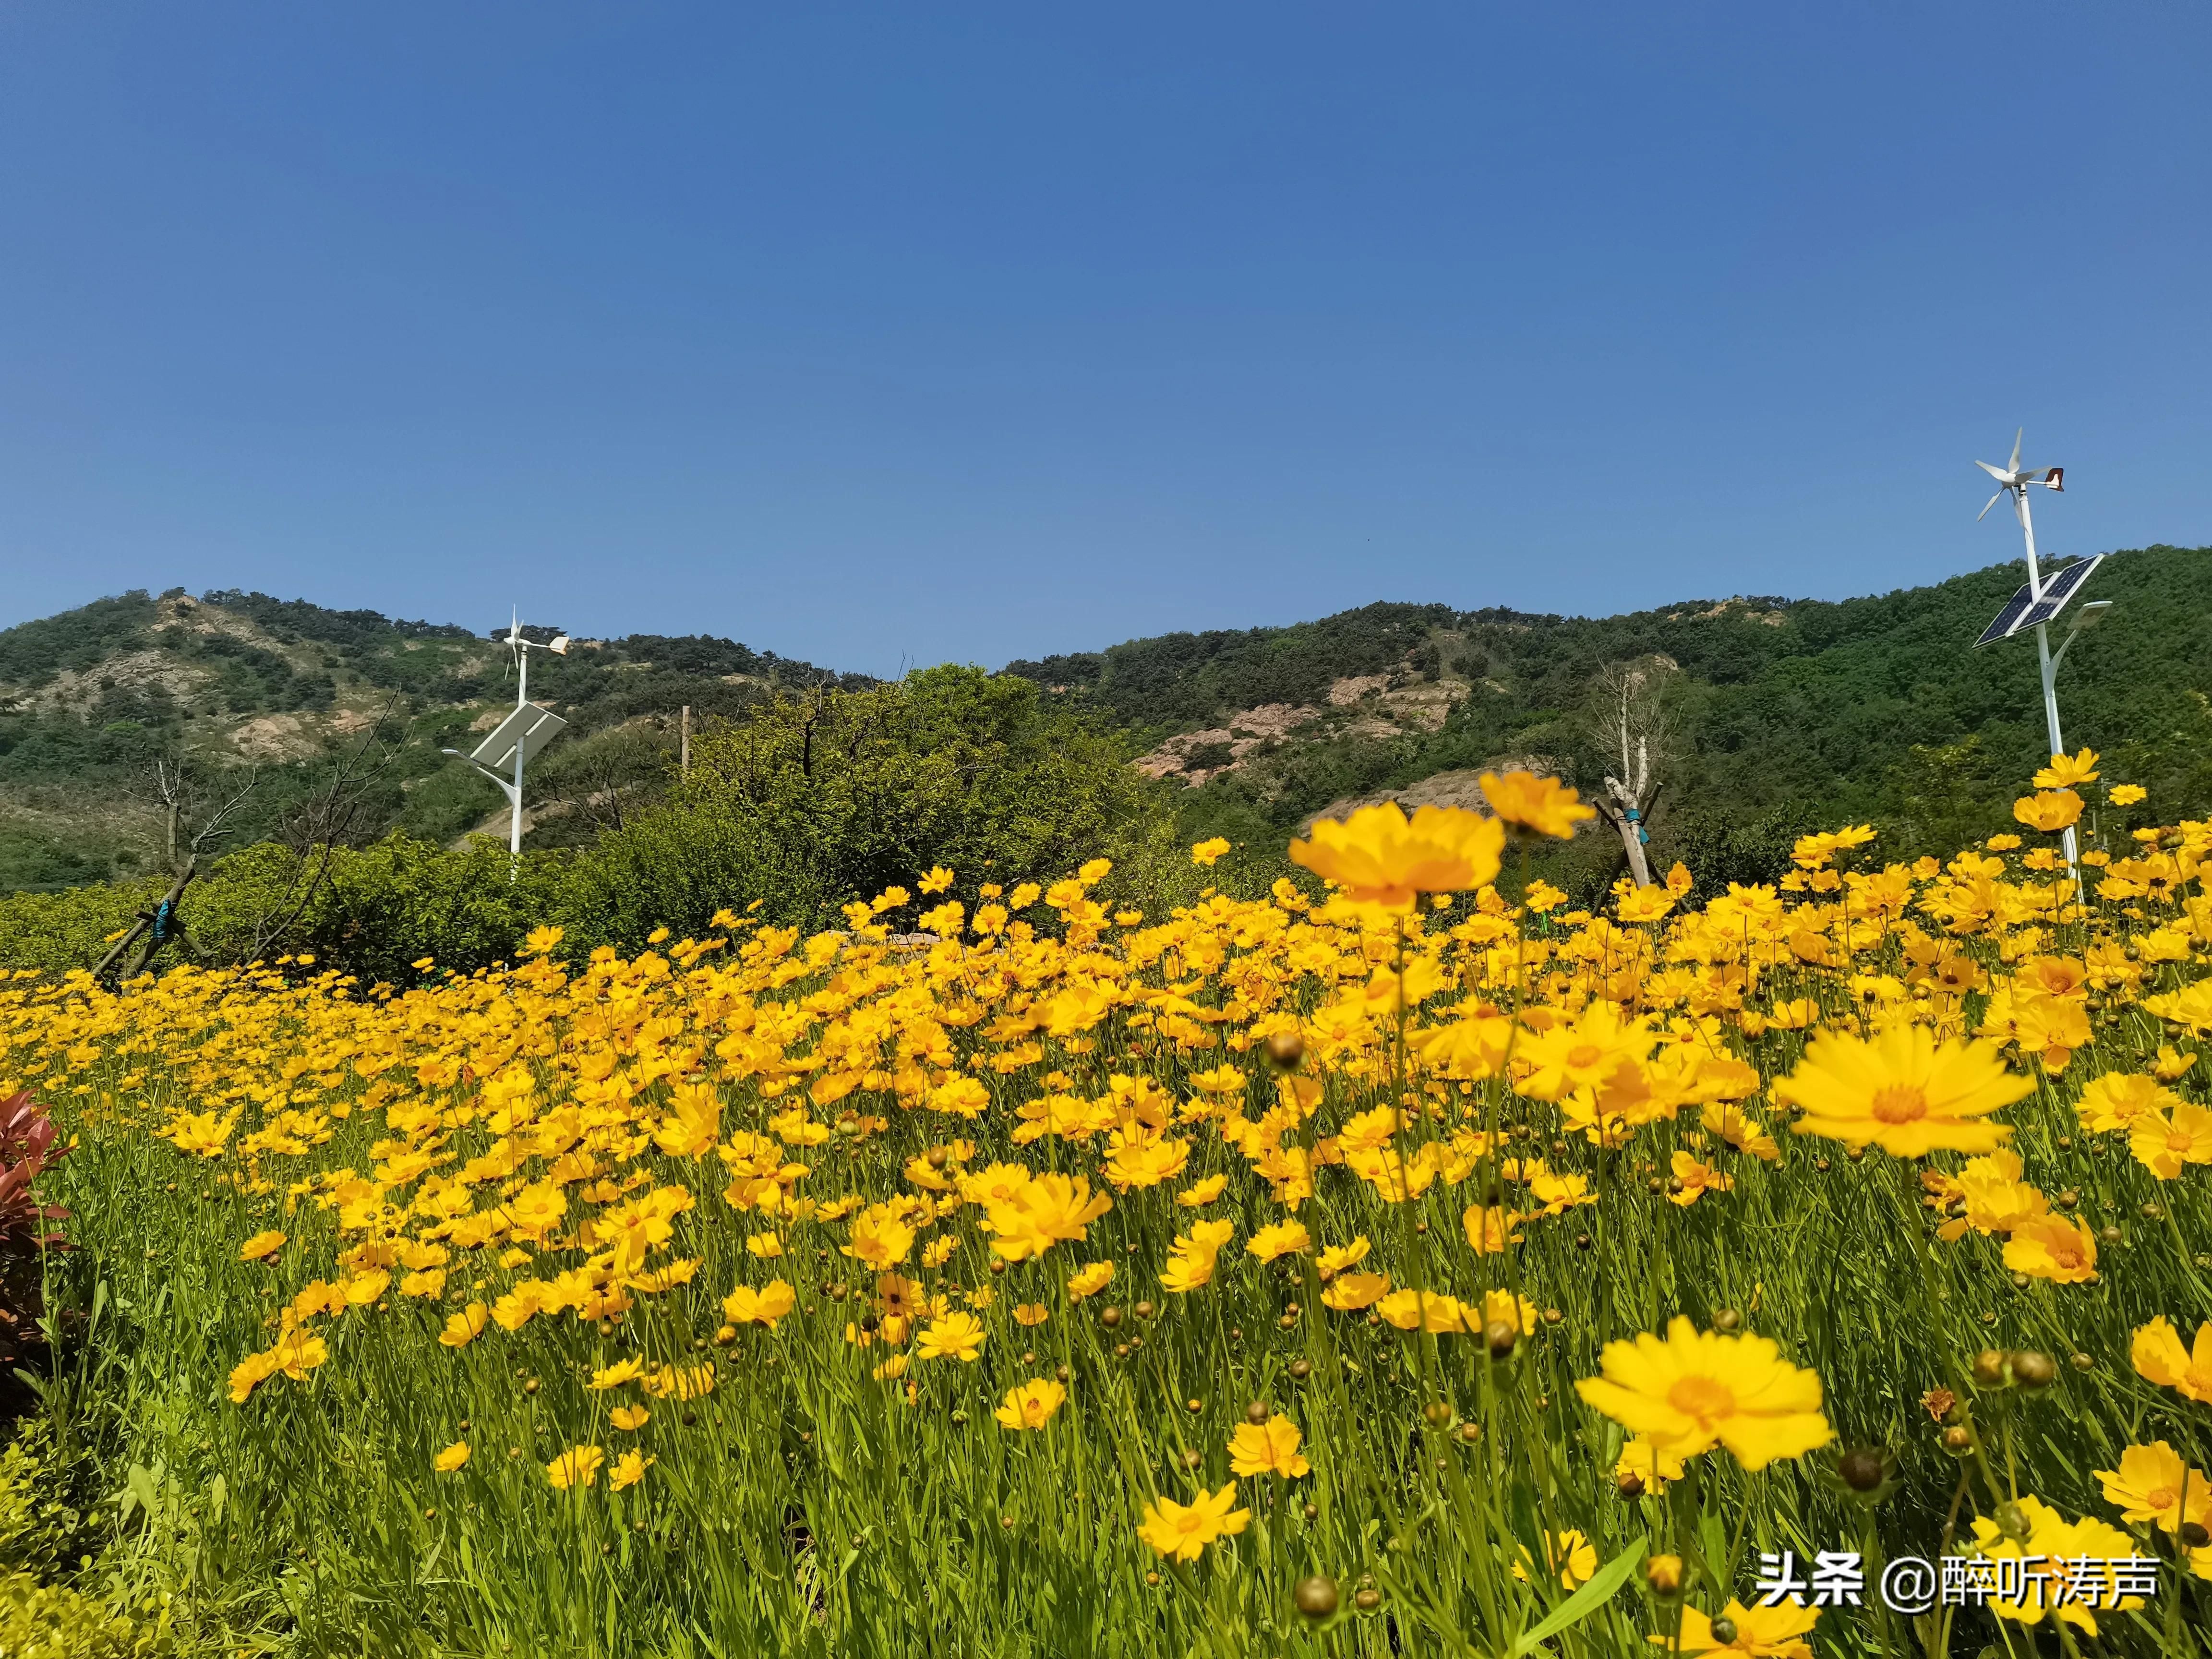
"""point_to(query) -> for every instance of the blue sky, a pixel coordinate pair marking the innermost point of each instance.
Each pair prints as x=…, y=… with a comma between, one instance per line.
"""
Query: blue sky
x=884, y=335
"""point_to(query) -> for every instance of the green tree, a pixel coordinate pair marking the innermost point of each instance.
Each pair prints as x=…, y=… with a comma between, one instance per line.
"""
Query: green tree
x=823, y=797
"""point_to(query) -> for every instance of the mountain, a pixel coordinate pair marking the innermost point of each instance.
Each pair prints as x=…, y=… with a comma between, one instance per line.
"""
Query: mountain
x=1776, y=714
x=1771, y=716
x=233, y=687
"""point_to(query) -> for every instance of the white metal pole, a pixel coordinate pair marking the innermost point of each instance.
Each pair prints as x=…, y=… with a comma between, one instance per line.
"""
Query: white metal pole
x=521, y=697
x=2045, y=666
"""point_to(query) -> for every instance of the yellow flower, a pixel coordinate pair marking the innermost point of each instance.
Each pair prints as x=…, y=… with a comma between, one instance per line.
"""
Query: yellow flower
x=2055, y=1247
x=1648, y=1464
x=630, y=1419
x=1902, y=1092
x=1694, y=1180
x=465, y=1326
x=2051, y=812
x=2163, y=1145
x=2159, y=1356
x=1571, y=1554
x=2126, y=794
x=1201, y=1194
x=1050, y=1210
x=261, y=1245
x=1764, y=1633
x=1543, y=804
x=1032, y=1313
x=578, y=1466
x=1384, y=862
x=1283, y=1238
x=1269, y=1448
x=629, y=1468
x=880, y=1238
x=2088, y=1546
x=954, y=1336
x=2119, y=1100
x=1030, y=1405
x=451, y=1458
x=1352, y=1291
x=2150, y=1483
x=2067, y=770
x=1205, y=852
x=1426, y=1310
x=1089, y=1281
x=1698, y=1389
x=1191, y=1264
x=540, y=941
x=1183, y=1530
x=1489, y=1231
x=746, y=1306
x=890, y=1369
x=614, y=1376
x=1335, y=1259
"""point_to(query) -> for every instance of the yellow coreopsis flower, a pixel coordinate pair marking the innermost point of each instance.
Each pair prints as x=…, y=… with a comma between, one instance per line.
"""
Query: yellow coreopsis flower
x=451, y=1458
x=578, y=1466
x=1030, y=1406
x=1191, y=1264
x=1089, y=1281
x=2050, y=812
x=630, y=1419
x=956, y=1336
x=1283, y=1238
x=1696, y=1390
x=2053, y=1247
x=1183, y=1530
x=1269, y=1448
x=1763, y=1633
x=1903, y=1092
x=2067, y=771
x=2150, y=1485
x=1543, y=804
x=629, y=1468
x=1571, y=1554
x=2163, y=1145
x=2158, y=1355
x=1384, y=861
x=465, y=1326
x=2089, y=1546
x=260, y=1246
x=1650, y=1466
x=881, y=1238
x=746, y=1306
x=1349, y=1292
x=1209, y=851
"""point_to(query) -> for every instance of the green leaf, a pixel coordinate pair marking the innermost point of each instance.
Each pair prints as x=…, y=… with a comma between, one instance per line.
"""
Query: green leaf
x=1584, y=1601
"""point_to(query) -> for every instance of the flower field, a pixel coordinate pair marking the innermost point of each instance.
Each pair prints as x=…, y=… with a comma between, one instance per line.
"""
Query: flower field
x=1389, y=1267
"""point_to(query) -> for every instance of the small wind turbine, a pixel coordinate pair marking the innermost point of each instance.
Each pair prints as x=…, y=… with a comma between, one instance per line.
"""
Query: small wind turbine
x=520, y=736
x=2038, y=602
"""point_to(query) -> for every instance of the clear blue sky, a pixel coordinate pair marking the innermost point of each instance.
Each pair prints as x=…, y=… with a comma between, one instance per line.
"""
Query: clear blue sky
x=912, y=332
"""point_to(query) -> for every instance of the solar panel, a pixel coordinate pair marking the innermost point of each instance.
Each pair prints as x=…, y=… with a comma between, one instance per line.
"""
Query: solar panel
x=2008, y=618
x=2059, y=589
x=531, y=727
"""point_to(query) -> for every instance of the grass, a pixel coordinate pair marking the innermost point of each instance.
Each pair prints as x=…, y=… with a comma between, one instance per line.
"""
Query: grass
x=753, y=1108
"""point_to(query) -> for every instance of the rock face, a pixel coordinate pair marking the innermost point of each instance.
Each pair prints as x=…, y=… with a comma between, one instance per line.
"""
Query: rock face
x=1457, y=788
x=1379, y=705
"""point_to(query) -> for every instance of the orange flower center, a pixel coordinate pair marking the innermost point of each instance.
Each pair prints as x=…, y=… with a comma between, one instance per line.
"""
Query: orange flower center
x=1584, y=1055
x=1901, y=1102
x=2066, y=1251
x=2177, y=1142
x=1702, y=1397
x=2159, y=1497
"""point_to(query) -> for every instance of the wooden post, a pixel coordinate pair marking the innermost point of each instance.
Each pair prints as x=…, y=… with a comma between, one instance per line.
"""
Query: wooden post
x=687, y=740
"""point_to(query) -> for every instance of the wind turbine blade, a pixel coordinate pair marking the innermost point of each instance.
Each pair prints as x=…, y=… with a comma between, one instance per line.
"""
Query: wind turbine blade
x=1987, y=505
x=2016, y=437
x=1995, y=472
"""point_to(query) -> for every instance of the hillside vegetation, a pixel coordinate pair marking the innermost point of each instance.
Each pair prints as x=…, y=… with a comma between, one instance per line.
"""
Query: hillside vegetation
x=1784, y=715
x=1773, y=717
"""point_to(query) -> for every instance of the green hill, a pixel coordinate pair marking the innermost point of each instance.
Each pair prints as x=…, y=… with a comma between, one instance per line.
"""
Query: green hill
x=1785, y=714
x=1781, y=715
x=236, y=687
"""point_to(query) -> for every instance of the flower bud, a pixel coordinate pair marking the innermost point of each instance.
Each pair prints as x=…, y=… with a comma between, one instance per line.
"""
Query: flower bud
x=1989, y=1368
x=1664, y=1574
x=1256, y=1413
x=1316, y=1597
x=1724, y=1630
x=2034, y=1370
x=1285, y=1050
